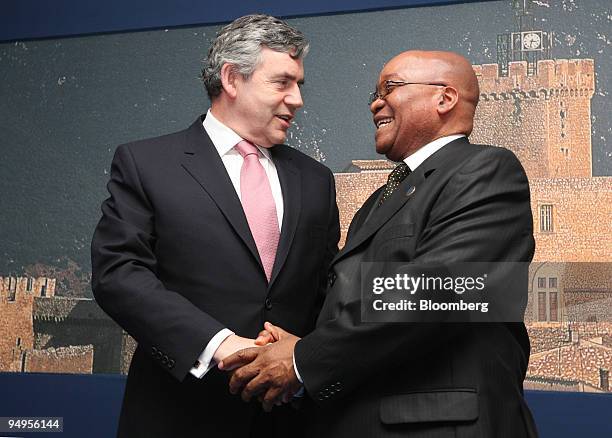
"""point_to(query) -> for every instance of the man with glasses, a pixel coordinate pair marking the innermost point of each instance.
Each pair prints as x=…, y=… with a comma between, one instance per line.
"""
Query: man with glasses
x=447, y=201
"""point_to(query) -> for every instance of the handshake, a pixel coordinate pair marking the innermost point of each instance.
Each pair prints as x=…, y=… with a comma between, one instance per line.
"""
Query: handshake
x=261, y=368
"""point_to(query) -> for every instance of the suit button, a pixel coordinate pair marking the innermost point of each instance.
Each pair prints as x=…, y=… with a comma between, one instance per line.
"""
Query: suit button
x=159, y=354
x=153, y=351
x=331, y=279
x=268, y=304
x=164, y=360
x=171, y=363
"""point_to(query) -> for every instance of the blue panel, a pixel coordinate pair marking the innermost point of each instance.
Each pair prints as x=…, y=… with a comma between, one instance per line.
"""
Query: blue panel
x=90, y=405
x=28, y=19
x=571, y=414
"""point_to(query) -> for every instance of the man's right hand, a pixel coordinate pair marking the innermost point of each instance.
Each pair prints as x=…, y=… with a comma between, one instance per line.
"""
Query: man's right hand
x=267, y=372
x=230, y=345
x=269, y=334
x=234, y=343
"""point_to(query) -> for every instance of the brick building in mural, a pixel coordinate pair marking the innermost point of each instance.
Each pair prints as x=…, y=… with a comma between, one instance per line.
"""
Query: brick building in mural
x=79, y=323
x=545, y=119
x=17, y=295
x=42, y=332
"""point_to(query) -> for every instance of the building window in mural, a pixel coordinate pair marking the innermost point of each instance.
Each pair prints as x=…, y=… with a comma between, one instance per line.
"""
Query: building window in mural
x=553, y=306
x=604, y=379
x=541, y=306
x=546, y=218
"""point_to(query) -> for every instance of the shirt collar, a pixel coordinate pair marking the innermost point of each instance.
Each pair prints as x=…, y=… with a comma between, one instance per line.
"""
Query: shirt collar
x=223, y=137
x=416, y=159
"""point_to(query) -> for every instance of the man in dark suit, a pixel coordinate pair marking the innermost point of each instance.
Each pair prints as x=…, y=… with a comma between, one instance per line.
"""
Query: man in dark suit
x=210, y=231
x=447, y=201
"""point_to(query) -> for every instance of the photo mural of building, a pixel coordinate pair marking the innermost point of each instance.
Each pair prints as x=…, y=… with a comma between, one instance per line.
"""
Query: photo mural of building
x=43, y=332
x=569, y=317
x=533, y=103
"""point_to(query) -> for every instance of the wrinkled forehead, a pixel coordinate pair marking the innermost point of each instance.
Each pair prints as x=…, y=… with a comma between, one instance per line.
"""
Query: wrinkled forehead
x=408, y=68
x=273, y=62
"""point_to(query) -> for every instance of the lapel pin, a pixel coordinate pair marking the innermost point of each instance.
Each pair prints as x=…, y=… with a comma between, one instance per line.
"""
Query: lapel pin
x=410, y=191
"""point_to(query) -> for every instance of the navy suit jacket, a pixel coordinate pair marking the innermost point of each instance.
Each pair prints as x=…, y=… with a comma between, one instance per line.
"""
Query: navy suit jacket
x=465, y=203
x=174, y=262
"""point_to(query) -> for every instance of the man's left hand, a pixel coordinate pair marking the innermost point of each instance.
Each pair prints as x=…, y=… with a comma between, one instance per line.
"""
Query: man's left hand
x=266, y=372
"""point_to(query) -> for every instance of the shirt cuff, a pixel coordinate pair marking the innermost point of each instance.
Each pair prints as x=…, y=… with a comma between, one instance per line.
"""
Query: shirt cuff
x=300, y=392
x=297, y=373
x=205, y=362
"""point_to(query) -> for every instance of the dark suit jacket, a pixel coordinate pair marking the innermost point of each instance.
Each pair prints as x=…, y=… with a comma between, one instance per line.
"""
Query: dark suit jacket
x=174, y=262
x=465, y=203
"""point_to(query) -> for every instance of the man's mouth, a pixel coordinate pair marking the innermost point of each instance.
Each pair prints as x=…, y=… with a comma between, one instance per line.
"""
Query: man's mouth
x=383, y=122
x=286, y=119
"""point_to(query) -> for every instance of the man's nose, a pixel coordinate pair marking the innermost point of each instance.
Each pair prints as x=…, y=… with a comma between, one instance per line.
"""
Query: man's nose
x=294, y=98
x=377, y=105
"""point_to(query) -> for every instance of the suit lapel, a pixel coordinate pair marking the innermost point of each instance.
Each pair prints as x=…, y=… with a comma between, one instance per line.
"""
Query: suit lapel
x=377, y=218
x=380, y=215
x=290, y=181
x=204, y=164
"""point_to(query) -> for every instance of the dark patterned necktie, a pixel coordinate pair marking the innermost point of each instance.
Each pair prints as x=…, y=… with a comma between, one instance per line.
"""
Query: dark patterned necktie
x=395, y=178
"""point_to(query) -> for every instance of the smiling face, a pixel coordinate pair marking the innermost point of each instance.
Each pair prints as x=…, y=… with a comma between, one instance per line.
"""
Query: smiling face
x=406, y=118
x=265, y=104
x=434, y=95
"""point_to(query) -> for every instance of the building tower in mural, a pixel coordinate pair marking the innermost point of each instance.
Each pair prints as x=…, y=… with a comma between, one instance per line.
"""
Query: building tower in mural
x=527, y=43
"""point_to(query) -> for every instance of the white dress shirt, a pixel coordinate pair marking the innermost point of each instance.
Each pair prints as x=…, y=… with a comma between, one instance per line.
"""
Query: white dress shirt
x=413, y=161
x=224, y=140
x=416, y=159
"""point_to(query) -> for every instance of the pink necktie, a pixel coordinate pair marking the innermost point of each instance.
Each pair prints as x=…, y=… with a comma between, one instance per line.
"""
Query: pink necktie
x=258, y=205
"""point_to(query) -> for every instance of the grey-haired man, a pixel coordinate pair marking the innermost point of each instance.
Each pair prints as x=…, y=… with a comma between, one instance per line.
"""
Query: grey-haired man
x=211, y=231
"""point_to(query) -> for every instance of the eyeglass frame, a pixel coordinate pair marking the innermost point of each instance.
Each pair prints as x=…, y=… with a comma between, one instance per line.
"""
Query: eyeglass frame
x=374, y=96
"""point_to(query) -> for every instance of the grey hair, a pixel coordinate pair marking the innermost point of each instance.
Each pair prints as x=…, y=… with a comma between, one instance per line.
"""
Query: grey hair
x=239, y=43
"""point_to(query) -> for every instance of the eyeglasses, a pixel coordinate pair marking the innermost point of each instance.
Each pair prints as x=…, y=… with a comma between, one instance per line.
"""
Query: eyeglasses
x=389, y=86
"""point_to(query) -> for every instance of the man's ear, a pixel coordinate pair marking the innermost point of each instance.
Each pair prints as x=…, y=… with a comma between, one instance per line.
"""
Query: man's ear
x=447, y=100
x=228, y=79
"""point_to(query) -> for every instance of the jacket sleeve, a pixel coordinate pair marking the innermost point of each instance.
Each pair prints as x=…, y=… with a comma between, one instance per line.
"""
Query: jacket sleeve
x=125, y=281
x=482, y=214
